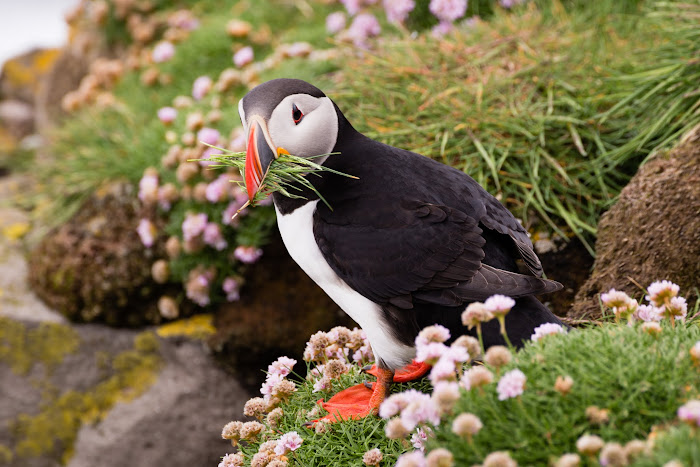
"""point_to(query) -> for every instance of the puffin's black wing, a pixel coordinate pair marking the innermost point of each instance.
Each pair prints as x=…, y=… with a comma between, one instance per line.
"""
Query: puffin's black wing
x=399, y=251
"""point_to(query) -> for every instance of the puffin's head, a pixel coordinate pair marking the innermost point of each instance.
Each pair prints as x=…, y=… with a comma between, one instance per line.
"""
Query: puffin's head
x=285, y=116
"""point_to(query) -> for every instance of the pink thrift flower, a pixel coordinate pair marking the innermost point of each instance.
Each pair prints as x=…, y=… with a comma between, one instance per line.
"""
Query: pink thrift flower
x=397, y=10
x=395, y=403
x=615, y=298
x=147, y=232
x=247, y=254
x=363, y=27
x=511, y=384
x=213, y=237
x=335, y=22
x=230, y=211
x=217, y=190
x=193, y=225
x=243, y=57
x=430, y=352
x=167, y=115
x=499, y=305
x=230, y=288
x=201, y=87
x=270, y=382
x=282, y=366
x=288, y=442
x=208, y=136
x=231, y=460
x=648, y=313
x=441, y=29
x=448, y=10
x=208, y=152
x=547, y=329
x=676, y=307
x=162, y=52
x=690, y=413
x=148, y=188
x=661, y=291
x=197, y=289
x=434, y=333
x=411, y=459
x=353, y=6
x=508, y=4
x=419, y=438
x=420, y=409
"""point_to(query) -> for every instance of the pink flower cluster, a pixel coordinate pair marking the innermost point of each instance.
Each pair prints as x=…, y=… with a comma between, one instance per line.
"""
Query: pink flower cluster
x=547, y=329
x=413, y=408
x=690, y=413
x=511, y=384
x=663, y=302
x=430, y=348
x=276, y=387
x=288, y=442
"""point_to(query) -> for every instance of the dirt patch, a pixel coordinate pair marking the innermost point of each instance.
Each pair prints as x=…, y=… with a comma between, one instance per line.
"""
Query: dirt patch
x=652, y=233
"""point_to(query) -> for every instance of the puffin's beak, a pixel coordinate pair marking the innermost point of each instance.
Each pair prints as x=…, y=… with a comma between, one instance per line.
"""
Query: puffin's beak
x=259, y=156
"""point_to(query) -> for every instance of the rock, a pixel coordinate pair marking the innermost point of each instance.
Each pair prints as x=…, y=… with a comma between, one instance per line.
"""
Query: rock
x=17, y=117
x=65, y=76
x=112, y=397
x=21, y=76
x=95, y=268
x=652, y=233
x=280, y=308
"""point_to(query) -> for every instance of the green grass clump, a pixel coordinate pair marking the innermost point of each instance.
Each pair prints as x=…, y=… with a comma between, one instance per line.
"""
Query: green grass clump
x=551, y=113
x=640, y=379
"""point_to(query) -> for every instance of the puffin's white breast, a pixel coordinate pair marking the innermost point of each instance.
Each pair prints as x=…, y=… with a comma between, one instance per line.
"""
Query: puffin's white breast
x=298, y=236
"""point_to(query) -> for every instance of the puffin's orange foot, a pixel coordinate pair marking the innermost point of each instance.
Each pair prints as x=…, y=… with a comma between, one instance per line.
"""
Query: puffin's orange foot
x=362, y=400
x=410, y=372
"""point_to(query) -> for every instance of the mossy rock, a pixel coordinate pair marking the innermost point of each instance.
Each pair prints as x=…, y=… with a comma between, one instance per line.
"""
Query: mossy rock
x=652, y=233
x=95, y=268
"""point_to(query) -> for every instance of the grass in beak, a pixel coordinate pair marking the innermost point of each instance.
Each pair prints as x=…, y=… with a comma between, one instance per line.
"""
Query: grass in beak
x=286, y=174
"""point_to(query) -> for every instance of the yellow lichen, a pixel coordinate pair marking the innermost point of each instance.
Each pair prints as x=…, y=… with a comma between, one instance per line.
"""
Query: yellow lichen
x=198, y=326
x=15, y=231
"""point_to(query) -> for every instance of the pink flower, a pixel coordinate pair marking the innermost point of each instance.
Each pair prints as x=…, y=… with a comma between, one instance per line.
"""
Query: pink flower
x=547, y=329
x=448, y=10
x=420, y=409
x=508, y=4
x=162, y=52
x=511, y=384
x=353, y=6
x=434, y=333
x=193, y=225
x=288, y=442
x=430, y=352
x=661, y=291
x=243, y=57
x=147, y=232
x=247, y=254
x=230, y=288
x=395, y=403
x=218, y=189
x=442, y=28
x=690, y=413
x=499, y=305
x=270, y=382
x=363, y=27
x=615, y=298
x=213, y=237
x=648, y=313
x=167, y=115
x=411, y=459
x=282, y=366
x=201, y=87
x=148, y=187
x=676, y=307
x=335, y=22
x=420, y=437
x=208, y=136
x=397, y=10
x=209, y=152
x=197, y=288
x=231, y=460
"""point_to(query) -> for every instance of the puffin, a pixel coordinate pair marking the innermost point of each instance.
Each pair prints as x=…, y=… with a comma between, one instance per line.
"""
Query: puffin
x=405, y=243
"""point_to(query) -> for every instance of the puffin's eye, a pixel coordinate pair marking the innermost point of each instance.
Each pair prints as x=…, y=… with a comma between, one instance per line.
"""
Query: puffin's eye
x=296, y=114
